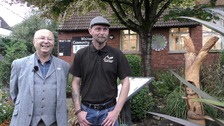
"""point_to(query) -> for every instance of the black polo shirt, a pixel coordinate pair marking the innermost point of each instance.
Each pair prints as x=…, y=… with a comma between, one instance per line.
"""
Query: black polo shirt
x=99, y=70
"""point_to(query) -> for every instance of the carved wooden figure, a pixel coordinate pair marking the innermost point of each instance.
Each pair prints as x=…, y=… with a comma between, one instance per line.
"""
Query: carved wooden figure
x=192, y=67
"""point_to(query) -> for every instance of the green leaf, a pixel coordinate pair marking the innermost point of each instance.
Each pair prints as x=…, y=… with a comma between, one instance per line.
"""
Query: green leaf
x=218, y=121
x=215, y=27
x=195, y=89
x=174, y=119
x=216, y=104
x=221, y=104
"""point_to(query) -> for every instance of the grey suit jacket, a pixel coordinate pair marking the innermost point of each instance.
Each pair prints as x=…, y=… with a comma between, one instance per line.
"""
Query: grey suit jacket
x=22, y=90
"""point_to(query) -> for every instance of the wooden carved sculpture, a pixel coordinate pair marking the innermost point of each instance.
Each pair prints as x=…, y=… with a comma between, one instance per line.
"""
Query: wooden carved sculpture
x=192, y=67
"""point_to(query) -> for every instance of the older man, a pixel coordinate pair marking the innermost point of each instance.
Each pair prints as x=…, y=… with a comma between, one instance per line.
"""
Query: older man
x=38, y=85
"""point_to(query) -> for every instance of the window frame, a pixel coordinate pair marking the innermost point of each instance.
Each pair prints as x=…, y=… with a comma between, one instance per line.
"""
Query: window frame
x=178, y=33
x=130, y=32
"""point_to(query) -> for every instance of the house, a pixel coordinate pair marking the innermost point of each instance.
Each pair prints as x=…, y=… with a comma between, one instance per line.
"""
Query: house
x=168, y=46
x=5, y=29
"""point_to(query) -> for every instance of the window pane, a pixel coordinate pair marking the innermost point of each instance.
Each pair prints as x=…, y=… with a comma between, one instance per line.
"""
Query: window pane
x=132, y=32
x=184, y=30
x=129, y=41
x=133, y=42
x=125, y=42
x=174, y=30
x=206, y=29
x=126, y=32
x=207, y=34
x=176, y=38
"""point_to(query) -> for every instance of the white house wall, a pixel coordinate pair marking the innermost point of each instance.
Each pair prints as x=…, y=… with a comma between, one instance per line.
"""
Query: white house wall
x=4, y=32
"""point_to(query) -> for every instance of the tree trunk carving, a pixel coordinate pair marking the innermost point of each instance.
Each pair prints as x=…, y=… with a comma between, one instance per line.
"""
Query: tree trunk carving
x=192, y=67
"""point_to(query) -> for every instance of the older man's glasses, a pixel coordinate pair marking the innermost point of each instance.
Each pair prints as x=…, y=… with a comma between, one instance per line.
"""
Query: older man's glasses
x=44, y=38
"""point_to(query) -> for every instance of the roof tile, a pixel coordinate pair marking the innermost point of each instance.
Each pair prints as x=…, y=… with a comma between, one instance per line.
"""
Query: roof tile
x=81, y=22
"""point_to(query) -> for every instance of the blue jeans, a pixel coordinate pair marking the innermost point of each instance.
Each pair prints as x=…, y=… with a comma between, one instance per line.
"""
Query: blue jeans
x=96, y=117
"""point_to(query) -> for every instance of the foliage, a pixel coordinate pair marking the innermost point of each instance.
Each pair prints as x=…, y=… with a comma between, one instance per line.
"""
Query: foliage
x=3, y=43
x=168, y=93
x=219, y=29
x=210, y=25
x=140, y=105
x=198, y=91
x=174, y=119
x=171, y=102
x=174, y=104
x=69, y=85
x=199, y=11
x=138, y=16
x=4, y=73
x=211, y=80
x=6, y=107
x=135, y=64
x=141, y=102
x=25, y=30
x=164, y=83
x=64, y=8
x=13, y=50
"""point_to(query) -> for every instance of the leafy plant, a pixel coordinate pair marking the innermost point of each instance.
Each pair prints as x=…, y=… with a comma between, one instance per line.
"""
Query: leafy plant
x=175, y=119
x=143, y=101
x=141, y=104
x=174, y=104
x=135, y=64
x=6, y=107
x=206, y=98
x=212, y=101
x=69, y=86
x=164, y=83
x=12, y=50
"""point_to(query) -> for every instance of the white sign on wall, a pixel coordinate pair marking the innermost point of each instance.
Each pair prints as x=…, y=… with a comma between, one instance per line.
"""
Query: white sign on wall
x=78, y=45
x=81, y=42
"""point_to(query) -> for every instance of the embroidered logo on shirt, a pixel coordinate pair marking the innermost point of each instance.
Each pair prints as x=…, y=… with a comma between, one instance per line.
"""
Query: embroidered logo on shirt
x=108, y=59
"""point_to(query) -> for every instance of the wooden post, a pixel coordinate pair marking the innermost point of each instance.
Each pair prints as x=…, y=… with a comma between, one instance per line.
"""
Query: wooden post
x=192, y=67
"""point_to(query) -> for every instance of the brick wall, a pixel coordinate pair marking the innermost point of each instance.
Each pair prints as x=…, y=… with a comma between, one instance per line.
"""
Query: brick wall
x=160, y=59
x=69, y=35
x=166, y=60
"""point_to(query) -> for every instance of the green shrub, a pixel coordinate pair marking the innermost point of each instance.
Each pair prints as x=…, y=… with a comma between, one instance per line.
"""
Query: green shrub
x=175, y=105
x=69, y=86
x=5, y=68
x=164, y=83
x=12, y=50
x=211, y=82
x=141, y=104
x=135, y=64
x=6, y=107
x=168, y=92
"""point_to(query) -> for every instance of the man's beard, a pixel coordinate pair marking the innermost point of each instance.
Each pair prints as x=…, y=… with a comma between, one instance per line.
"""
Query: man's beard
x=101, y=40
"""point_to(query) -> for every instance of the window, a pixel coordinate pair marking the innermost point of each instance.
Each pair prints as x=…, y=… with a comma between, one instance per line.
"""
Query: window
x=176, y=35
x=129, y=41
x=64, y=47
x=208, y=33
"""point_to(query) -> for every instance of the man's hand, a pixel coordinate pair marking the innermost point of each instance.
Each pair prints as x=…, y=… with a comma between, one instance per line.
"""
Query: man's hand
x=82, y=119
x=110, y=119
